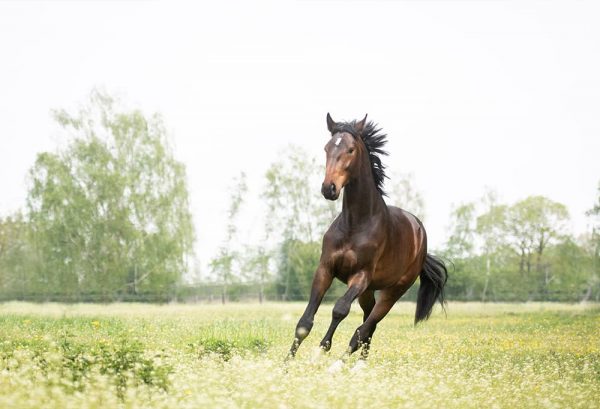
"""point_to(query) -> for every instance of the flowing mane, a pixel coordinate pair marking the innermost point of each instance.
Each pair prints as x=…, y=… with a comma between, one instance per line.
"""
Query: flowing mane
x=374, y=141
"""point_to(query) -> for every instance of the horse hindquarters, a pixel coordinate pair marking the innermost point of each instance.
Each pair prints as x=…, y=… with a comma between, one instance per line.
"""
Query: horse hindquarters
x=433, y=279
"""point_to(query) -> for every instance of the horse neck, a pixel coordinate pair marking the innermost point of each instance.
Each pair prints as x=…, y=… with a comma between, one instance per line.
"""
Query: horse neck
x=361, y=197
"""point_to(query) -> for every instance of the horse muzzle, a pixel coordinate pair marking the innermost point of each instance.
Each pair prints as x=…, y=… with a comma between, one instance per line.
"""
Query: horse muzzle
x=329, y=191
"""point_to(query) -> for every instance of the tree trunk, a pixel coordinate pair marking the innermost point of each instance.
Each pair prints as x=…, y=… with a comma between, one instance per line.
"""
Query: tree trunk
x=547, y=280
x=287, y=286
x=487, y=278
x=135, y=278
x=522, y=262
x=261, y=290
x=588, y=294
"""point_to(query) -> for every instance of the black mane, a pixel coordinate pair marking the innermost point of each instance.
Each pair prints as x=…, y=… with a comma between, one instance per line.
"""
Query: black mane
x=374, y=141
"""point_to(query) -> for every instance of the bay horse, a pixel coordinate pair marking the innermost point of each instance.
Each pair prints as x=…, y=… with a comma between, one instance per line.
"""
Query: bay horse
x=370, y=245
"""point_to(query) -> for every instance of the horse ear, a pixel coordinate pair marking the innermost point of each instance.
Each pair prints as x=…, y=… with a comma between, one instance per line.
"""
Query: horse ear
x=360, y=125
x=330, y=123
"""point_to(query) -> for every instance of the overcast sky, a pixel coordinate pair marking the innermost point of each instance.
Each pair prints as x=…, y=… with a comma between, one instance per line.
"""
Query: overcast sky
x=472, y=94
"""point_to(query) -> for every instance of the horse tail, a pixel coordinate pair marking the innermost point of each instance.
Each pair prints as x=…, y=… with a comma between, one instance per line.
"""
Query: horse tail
x=433, y=279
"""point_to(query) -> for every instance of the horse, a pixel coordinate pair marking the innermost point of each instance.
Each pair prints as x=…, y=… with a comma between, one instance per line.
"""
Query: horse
x=369, y=246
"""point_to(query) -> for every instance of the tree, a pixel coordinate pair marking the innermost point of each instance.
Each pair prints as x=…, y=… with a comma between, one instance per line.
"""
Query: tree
x=257, y=266
x=491, y=227
x=292, y=194
x=297, y=263
x=222, y=264
x=460, y=250
x=109, y=213
x=461, y=242
x=16, y=258
x=594, y=250
x=533, y=224
x=572, y=272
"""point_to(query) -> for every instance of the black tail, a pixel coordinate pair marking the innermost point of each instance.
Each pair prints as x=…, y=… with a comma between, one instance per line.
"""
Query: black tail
x=433, y=279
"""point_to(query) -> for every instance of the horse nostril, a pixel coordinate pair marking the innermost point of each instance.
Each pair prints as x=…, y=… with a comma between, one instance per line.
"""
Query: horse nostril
x=329, y=191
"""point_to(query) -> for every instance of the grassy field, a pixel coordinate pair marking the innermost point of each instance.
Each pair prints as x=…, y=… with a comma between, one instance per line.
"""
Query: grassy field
x=213, y=356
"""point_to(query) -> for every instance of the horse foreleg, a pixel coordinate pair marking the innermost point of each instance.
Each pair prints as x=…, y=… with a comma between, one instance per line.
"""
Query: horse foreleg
x=321, y=283
x=356, y=286
x=363, y=335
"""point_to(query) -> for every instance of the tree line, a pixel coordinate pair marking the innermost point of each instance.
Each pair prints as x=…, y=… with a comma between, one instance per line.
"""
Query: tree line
x=107, y=218
x=521, y=252
x=495, y=251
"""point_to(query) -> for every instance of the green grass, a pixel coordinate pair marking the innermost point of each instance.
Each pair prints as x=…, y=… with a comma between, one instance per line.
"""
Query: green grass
x=177, y=356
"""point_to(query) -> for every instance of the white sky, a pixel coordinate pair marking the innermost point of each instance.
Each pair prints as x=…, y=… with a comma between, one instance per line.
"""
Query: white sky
x=472, y=94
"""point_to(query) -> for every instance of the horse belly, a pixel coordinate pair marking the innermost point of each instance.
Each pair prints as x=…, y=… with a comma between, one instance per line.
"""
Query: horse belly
x=398, y=268
x=383, y=278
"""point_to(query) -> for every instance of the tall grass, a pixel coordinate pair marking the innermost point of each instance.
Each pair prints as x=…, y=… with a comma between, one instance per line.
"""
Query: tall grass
x=138, y=355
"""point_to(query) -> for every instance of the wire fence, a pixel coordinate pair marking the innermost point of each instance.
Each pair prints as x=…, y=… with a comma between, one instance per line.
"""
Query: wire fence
x=255, y=292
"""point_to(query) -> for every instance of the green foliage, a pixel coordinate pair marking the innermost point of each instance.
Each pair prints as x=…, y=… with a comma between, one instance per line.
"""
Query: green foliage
x=223, y=264
x=592, y=245
x=69, y=363
x=461, y=240
x=296, y=208
x=570, y=271
x=107, y=214
x=125, y=360
x=532, y=224
x=516, y=252
x=225, y=348
x=17, y=258
x=256, y=266
x=297, y=263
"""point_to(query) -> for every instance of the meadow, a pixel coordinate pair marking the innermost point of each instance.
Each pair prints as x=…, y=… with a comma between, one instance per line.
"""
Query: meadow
x=212, y=356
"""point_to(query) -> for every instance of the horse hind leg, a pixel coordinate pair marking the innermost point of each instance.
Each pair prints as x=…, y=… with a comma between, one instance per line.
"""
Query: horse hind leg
x=364, y=333
x=367, y=301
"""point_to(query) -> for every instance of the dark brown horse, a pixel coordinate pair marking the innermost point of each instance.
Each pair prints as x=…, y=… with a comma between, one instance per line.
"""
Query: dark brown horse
x=369, y=246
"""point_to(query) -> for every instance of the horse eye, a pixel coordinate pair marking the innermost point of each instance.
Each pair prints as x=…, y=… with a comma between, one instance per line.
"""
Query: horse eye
x=351, y=150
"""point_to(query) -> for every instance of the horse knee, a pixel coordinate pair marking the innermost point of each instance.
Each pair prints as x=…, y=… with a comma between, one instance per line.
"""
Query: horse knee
x=341, y=309
x=303, y=329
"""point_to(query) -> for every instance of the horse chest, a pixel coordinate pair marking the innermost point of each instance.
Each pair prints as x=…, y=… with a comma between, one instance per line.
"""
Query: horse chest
x=348, y=260
x=345, y=263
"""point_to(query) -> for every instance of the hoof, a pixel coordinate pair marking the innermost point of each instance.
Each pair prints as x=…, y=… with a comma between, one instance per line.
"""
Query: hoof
x=326, y=346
